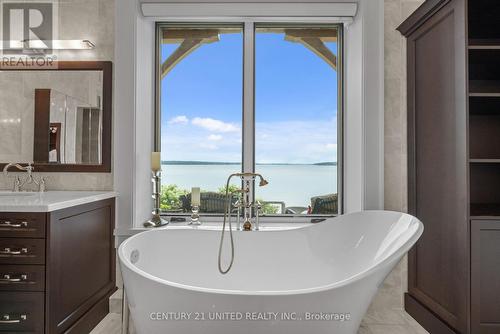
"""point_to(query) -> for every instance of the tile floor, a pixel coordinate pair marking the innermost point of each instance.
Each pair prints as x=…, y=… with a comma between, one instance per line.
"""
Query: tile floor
x=388, y=321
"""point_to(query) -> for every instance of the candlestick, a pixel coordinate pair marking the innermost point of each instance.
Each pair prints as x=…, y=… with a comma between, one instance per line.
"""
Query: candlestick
x=195, y=206
x=195, y=216
x=156, y=220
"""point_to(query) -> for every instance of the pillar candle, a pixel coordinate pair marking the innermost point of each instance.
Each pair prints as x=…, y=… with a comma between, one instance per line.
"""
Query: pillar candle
x=155, y=161
x=195, y=196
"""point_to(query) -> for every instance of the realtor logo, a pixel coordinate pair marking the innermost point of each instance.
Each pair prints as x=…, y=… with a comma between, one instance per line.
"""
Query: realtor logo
x=27, y=27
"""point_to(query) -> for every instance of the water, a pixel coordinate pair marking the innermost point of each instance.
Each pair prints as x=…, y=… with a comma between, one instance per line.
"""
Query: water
x=292, y=184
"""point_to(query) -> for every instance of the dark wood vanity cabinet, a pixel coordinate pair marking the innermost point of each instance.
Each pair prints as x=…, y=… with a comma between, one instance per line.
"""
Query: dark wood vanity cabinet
x=453, y=57
x=57, y=269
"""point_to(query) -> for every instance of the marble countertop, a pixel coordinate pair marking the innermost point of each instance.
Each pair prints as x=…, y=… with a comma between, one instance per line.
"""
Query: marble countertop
x=49, y=201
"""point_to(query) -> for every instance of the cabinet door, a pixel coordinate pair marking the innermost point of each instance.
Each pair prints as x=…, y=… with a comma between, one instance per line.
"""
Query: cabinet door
x=437, y=150
x=485, y=262
x=80, y=266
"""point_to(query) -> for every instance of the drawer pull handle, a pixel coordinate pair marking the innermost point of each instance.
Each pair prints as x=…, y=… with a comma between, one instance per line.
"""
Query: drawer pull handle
x=9, y=251
x=9, y=278
x=11, y=225
x=7, y=320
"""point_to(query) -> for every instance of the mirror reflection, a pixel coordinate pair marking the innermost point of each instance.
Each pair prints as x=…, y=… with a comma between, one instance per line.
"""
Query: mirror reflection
x=53, y=117
x=75, y=130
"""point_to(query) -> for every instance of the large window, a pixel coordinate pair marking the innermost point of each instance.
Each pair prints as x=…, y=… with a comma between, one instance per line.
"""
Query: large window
x=251, y=97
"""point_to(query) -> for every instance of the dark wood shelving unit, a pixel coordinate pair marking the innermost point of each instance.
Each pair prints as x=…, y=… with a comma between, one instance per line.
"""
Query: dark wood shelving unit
x=484, y=110
x=454, y=165
x=484, y=164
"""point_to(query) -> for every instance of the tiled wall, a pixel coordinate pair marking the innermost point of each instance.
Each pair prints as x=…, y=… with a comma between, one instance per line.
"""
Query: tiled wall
x=385, y=307
x=92, y=20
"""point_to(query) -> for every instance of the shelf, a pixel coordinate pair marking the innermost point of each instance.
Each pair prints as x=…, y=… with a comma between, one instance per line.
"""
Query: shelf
x=484, y=88
x=484, y=72
x=485, y=189
x=484, y=136
x=485, y=106
x=483, y=19
x=484, y=161
x=484, y=44
x=485, y=210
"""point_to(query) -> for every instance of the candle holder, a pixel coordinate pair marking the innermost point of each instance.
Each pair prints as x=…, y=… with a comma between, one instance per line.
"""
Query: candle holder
x=195, y=215
x=156, y=220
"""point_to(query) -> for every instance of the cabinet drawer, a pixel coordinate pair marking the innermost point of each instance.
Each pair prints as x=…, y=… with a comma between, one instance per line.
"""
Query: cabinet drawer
x=22, y=277
x=22, y=251
x=22, y=225
x=21, y=312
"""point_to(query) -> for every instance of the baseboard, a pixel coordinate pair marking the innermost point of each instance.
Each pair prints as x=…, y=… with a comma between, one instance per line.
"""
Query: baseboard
x=92, y=317
x=425, y=317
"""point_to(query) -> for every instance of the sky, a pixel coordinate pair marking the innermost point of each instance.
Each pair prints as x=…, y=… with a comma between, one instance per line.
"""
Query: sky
x=295, y=103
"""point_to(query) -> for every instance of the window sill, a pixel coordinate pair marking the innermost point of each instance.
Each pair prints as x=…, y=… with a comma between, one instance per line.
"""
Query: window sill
x=215, y=223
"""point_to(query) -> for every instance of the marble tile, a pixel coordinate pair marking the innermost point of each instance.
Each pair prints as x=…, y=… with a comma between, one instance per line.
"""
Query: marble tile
x=393, y=107
x=399, y=322
x=382, y=315
x=364, y=330
x=115, y=302
x=392, y=329
x=68, y=181
x=111, y=324
x=408, y=7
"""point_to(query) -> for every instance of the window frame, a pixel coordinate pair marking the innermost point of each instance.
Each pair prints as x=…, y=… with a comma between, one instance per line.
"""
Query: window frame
x=249, y=26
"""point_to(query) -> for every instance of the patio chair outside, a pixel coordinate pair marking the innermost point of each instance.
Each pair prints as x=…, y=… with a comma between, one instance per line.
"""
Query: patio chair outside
x=325, y=205
x=211, y=202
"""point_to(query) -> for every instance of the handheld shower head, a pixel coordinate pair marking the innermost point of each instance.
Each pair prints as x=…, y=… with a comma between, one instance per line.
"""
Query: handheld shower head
x=263, y=182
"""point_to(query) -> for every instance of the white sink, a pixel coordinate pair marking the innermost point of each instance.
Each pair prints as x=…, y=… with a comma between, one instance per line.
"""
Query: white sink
x=12, y=194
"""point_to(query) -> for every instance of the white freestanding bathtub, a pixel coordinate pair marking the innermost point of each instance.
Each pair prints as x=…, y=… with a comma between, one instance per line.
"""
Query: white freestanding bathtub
x=310, y=280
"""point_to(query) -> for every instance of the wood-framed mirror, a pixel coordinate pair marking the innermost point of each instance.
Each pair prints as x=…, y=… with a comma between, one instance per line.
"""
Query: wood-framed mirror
x=59, y=118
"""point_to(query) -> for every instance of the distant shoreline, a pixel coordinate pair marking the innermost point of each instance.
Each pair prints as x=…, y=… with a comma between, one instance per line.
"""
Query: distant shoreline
x=213, y=163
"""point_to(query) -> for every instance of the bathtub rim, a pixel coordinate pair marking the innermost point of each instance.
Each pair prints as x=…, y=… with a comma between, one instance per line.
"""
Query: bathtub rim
x=338, y=284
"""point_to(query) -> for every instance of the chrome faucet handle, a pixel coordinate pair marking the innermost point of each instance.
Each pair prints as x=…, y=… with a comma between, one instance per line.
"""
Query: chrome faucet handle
x=258, y=208
x=17, y=184
x=41, y=184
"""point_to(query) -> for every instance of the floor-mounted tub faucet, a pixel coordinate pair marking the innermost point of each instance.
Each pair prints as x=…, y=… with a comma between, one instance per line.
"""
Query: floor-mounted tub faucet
x=247, y=204
x=251, y=209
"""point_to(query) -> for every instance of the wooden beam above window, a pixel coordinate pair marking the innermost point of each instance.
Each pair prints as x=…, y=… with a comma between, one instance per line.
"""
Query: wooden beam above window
x=186, y=47
x=314, y=40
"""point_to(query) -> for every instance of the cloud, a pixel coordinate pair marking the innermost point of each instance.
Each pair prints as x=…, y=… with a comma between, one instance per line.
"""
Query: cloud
x=214, y=125
x=331, y=146
x=308, y=141
x=181, y=119
x=213, y=137
x=209, y=146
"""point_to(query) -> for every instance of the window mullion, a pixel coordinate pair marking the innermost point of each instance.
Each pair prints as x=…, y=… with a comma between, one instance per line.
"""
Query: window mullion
x=248, y=98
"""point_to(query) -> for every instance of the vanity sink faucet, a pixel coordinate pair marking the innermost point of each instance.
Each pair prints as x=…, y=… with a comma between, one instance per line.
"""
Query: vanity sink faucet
x=29, y=179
